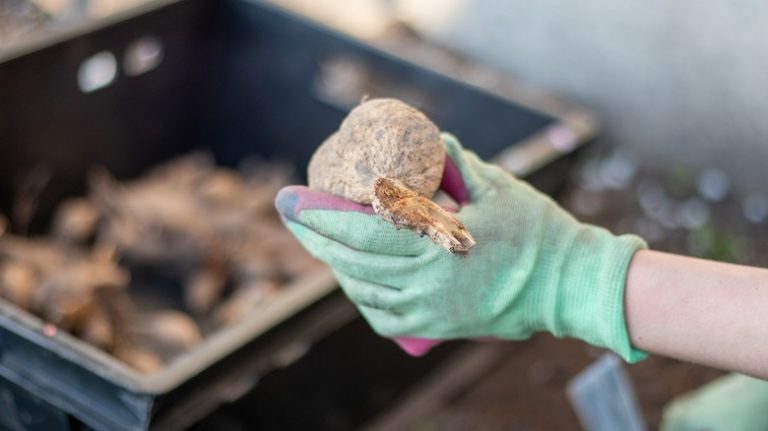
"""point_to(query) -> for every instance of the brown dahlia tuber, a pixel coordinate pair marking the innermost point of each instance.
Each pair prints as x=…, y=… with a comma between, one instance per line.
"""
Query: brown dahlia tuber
x=390, y=155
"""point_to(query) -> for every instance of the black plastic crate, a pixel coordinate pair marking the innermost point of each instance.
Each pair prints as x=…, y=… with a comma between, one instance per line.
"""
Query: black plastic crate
x=237, y=78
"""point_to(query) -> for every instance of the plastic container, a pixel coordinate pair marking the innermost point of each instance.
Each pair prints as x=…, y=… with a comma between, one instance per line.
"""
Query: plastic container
x=237, y=78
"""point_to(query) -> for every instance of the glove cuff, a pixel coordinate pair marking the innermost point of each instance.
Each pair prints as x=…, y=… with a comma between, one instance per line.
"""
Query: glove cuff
x=590, y=279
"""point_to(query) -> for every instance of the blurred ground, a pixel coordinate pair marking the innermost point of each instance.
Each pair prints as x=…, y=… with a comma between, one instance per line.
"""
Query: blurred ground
x=679, y=208
x=526, y=391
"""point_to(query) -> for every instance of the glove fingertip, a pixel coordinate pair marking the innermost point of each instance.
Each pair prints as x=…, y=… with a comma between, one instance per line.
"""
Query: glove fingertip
x=416, y=346
x=292, y=200
x=286, y=201
x=451, y=143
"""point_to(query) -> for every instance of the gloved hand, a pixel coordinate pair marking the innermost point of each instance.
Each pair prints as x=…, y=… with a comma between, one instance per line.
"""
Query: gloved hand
x=534, y=268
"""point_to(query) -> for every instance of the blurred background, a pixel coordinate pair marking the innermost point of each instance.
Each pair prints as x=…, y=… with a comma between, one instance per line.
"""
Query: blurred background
x=643, y=117
x=679, y=79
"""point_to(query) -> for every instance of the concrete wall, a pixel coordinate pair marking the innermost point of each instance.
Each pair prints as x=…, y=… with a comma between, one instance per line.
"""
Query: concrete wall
x=680, y=81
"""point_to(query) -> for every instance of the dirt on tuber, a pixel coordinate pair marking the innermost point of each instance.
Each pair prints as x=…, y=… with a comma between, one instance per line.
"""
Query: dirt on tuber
x=390, y=155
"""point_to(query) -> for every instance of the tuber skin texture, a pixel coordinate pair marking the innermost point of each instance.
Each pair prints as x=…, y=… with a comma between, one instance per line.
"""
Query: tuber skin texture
x=99, y=329
x=381, y=137
x=140, y=358
x=17, y=282
x=166, y=333
x=204, y=288
x=390, y=155
x=61, y=282
x=75, y=221
x=244, y=301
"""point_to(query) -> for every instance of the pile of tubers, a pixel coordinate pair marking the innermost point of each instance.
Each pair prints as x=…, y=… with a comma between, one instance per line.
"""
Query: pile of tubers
x=212, y=230
x=215, y=232
x=390, y=155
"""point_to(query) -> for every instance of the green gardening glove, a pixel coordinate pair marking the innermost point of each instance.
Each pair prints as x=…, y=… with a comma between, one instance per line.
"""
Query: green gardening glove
x=534, y=268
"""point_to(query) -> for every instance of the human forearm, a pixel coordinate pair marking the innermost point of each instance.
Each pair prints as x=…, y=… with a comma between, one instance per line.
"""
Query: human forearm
x=701, y=311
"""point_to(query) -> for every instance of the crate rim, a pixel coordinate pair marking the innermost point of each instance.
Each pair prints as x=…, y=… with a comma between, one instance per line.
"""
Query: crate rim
x=218, y=345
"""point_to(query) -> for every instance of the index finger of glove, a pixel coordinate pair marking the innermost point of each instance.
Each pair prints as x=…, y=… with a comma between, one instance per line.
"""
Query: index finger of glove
x=392, y=270
x=346, y=222
x=373, y=295
x=292, y=200
x=387, y=324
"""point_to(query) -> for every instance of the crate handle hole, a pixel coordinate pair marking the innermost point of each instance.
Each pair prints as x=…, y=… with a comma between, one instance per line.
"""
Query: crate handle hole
x=97, y=71
x=142, y=55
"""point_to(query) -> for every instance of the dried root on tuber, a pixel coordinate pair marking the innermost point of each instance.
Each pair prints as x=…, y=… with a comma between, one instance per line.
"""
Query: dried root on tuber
x=389, y=154
x=396, y=203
